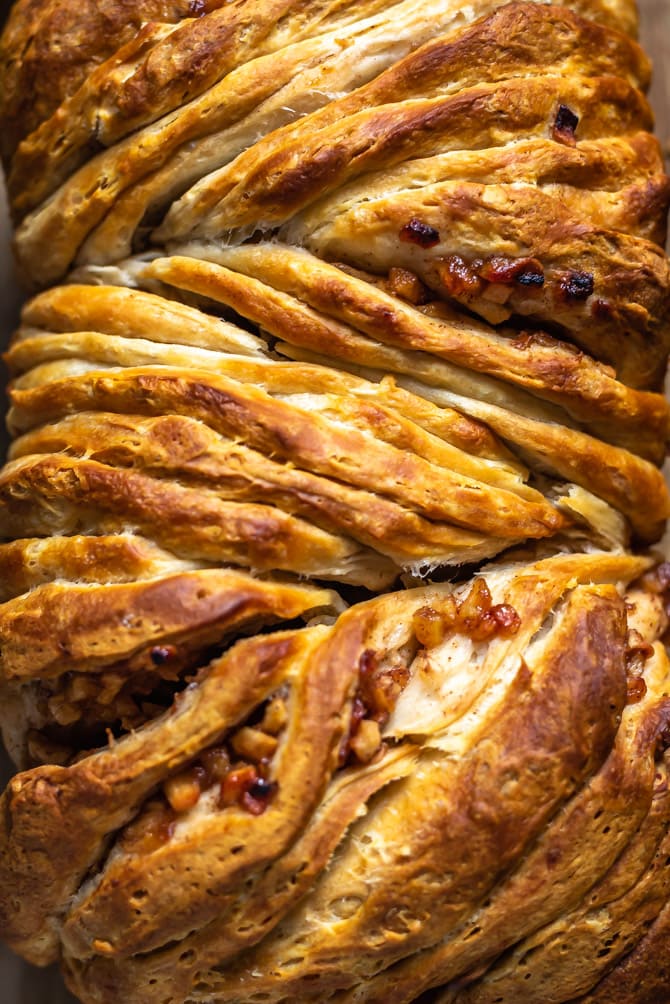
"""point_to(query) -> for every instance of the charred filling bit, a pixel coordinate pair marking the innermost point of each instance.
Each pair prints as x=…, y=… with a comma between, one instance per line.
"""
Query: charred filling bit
x=577, y=285
x=160, y=654
x=530, y=279
x=474, y=615
x=240, y=767
x=126, y=694
x=236, y=772
x=379, y=688
x=527, y=271
x=416, y=232
x=564, y=127
x=493, y=279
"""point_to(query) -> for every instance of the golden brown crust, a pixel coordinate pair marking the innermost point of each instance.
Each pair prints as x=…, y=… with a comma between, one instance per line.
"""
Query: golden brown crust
x=186, y=450
x=264, y=86
x=360, y=293
x=304, y=438
x=638, y=975
x=377, y=123
x=606, y=290
x=59, y=45
x=77, y=659
x=379, y=137
x=400, y=117
x=27, y=563
x=68, y=496
x=543, y=365
x=488, y=831
x=133, y=313
x=58, y=629
x=433, y=767
x=180, y=67
x=32, y=352
x=534, y=591
x=218, y=850
x=75, y=808
x=605, y=815
x=252, y=912
x=624, y=902
x=343, y=301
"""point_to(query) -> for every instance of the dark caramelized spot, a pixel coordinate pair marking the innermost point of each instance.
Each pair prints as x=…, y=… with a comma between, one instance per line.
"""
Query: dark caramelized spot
x=565, y=124
x=527, y=271
x=160, y=654
x=530, y=279
x=258, y=796
x=602, y=310
x=637, y=688
x=262, y=788
x=416, y=232
x=506, y=618
x=577, y=285
x=367, y=662
x=245, y=786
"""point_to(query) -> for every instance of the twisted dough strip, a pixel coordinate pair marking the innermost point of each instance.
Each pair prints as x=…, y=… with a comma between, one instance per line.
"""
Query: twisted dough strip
x=37, y=75
x=467, y=721
x=361, y=294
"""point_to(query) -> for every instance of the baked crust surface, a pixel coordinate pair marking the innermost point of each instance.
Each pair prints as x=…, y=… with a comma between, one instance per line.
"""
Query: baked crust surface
x=332, y=637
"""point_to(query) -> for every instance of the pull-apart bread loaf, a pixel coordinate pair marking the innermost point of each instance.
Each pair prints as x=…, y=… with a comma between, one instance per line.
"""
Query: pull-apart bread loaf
x=332, y=631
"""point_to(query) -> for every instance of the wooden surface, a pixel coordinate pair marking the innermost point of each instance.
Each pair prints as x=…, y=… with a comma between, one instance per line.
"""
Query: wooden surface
x=21, y=984
x=655, y=37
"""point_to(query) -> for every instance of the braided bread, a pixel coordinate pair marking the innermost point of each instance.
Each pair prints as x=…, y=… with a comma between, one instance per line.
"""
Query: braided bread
x=332, y=636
